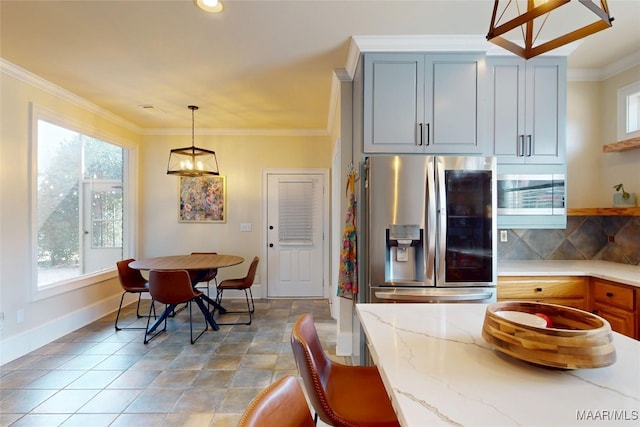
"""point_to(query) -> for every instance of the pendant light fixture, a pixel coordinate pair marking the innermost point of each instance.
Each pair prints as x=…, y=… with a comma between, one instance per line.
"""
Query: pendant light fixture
x=192, y=161
x=540, y=10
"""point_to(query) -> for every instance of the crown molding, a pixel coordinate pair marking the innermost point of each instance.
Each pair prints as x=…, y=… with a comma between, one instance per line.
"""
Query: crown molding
x=234, y=132
x=31, y=79
x=604, y=73
x=425, y=43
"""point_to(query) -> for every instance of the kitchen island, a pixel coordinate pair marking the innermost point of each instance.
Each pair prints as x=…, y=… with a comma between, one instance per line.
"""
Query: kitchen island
x=438, y=370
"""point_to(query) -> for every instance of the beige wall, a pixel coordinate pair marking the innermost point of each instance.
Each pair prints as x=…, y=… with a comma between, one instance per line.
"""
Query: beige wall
x=623, y=166
x=583, y=144
x=59, y=314
x=591, y=123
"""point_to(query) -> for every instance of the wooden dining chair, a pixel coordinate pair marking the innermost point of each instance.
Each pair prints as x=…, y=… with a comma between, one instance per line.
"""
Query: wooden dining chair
x=241, y=284
x=173, y=287
x=132, y=282
x=341, y=395
x=281, y=404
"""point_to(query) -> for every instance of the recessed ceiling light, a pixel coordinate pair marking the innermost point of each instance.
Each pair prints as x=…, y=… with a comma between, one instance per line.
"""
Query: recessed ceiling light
x=213, y=6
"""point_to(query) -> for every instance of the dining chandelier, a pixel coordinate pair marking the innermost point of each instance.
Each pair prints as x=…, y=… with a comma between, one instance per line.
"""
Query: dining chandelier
x=192, y=161
x=532, y=21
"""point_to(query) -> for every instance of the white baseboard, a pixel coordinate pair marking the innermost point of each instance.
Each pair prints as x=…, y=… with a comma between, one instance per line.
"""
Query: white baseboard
x=25, y=342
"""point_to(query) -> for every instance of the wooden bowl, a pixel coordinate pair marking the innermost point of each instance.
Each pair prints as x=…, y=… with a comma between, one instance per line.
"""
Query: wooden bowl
x=577, y=339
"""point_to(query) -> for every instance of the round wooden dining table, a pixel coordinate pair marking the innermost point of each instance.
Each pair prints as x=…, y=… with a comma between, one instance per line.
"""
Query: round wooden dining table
x=187, y=262
x=194, y=262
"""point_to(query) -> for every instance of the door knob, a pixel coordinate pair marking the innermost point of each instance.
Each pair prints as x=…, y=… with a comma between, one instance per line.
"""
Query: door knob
x=270, y=245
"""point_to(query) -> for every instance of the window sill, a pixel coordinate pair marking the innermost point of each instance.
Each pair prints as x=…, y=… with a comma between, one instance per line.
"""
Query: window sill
x=58, y=288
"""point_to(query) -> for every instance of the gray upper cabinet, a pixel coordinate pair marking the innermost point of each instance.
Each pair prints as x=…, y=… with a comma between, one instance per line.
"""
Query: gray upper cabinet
x=423, y=103
x=528, y=104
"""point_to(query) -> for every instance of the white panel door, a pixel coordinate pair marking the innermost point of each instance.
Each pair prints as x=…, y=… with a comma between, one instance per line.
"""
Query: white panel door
x=294, y=235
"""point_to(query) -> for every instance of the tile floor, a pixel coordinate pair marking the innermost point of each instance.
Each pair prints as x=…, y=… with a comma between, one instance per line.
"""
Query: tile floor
x=96, y=376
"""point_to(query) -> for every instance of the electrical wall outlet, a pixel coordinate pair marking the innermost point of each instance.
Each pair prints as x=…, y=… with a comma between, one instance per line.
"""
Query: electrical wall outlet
x=503, y=236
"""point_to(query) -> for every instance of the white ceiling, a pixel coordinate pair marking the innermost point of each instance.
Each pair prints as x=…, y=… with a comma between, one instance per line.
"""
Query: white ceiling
x=261, y=65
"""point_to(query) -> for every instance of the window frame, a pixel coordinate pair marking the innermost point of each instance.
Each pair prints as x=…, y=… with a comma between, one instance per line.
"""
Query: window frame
x=129, y=189
x=623, y=112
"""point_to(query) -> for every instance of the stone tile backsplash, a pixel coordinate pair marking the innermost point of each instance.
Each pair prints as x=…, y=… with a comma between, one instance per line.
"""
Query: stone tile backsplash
x=606, y=238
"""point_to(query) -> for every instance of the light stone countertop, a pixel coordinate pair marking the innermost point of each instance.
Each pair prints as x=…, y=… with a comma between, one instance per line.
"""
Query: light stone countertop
x=439, y=370
x=621, y=273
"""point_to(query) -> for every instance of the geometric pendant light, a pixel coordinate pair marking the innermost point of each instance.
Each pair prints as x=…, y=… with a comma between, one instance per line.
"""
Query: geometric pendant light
x=192, y=161
x=527, y=25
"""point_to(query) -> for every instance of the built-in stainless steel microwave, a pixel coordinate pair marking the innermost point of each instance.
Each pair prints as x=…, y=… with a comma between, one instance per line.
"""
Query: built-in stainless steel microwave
x=531, y=194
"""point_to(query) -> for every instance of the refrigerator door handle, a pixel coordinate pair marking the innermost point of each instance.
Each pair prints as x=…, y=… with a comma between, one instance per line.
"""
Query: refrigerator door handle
x=442, y=222
x=424, y=296
x=431, y=223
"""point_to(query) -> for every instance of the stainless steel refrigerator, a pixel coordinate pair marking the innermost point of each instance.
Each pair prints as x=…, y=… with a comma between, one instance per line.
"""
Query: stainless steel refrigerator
x=429, y=229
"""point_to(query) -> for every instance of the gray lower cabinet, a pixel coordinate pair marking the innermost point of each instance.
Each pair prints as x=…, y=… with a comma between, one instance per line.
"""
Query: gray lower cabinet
x=528, y=104
x=423, y=103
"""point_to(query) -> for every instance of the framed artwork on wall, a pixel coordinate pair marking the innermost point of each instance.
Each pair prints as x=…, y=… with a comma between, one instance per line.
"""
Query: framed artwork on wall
x=203, y=199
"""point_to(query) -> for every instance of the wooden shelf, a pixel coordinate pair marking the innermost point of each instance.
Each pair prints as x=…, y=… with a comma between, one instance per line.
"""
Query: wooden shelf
x=627, y=144
x=603, y=212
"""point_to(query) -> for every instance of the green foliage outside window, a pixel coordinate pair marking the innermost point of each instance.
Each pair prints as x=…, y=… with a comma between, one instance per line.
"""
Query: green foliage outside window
x=66, y=160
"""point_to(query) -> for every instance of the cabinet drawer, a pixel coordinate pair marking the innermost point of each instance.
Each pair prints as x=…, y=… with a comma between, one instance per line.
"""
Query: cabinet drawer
x=621, y=321
x=609, y=293
x=541, y=287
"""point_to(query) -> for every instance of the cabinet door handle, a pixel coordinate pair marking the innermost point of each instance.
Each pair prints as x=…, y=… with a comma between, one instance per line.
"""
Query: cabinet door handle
x=538, y=289
x=529, y=146
x=609, y=294
x=428, y=133
x=421, y=134
x=520, y=147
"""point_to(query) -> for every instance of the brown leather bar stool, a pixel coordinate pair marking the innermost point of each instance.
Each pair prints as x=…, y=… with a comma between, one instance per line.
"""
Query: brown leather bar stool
x=173, y=287
x=132, y=282
x=210, y=275
x=341, y=395
x=282, y=404
x=241, y=284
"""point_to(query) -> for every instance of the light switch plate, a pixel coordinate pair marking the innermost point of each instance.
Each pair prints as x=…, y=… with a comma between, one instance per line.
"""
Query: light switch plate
x=245, y=226
x=503, y=236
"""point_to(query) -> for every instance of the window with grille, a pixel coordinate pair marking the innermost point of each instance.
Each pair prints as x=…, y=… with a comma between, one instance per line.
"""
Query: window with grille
x=79, y=213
